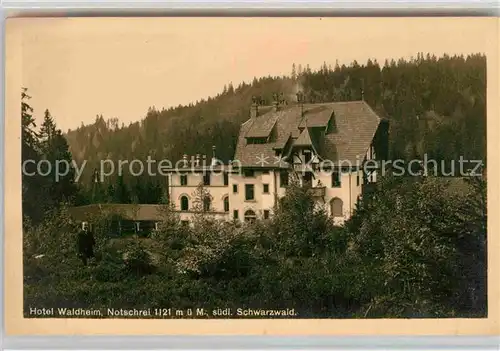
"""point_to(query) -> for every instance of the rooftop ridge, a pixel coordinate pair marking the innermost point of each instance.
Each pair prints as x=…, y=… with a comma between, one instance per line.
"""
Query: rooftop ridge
x=355, y=120
x=312, y=104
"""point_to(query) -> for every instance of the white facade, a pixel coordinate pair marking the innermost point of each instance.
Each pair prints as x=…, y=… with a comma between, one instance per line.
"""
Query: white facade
x=232, y=198
x=302, y=137
x=177, y=190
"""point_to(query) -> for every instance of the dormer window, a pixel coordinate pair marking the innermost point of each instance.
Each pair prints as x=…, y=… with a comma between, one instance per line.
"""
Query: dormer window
x=256, y=140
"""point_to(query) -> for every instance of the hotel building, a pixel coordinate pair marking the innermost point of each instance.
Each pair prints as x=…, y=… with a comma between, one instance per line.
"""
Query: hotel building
x=324, y=146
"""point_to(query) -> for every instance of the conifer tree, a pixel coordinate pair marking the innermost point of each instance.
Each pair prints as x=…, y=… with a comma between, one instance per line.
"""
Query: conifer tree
x=47, y=131
x=110, y=193
x=122, y=193
x=32, y=197
x=59, y=184
x=138, y=193
x=98, y=193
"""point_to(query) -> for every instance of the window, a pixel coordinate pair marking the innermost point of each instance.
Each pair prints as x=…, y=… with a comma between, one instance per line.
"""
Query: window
x=256, y=140
x=185, y=223
x=336, y=207
x=307, y=156
x=235, y=214
x=206, y=204
x=249, y=173
x=283, y=179
x=184, y=203
x=277, y=153
x=266, y=188
x=249, y=192
x=184, y=179
x=226, y=179
x=265, y=172
x=206, y=179
x=235, y=188
x=226, y=204
x=357, y=178
x=336, y=179
x=266, y=214
x=250, y=216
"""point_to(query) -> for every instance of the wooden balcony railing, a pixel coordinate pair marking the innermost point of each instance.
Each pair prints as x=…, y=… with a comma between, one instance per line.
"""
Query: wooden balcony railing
x=317, y=191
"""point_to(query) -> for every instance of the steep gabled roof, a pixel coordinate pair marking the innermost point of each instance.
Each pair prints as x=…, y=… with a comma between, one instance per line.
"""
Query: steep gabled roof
x=356, y=124
x=304, y=139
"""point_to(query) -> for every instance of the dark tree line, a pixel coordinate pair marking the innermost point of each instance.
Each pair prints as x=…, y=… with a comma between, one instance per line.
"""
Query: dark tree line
x=49, y=174
x=43, y=151
x=142, y=190
x=436, y=106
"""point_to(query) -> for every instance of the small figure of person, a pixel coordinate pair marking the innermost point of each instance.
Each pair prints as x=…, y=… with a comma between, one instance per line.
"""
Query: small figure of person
x=86, y=244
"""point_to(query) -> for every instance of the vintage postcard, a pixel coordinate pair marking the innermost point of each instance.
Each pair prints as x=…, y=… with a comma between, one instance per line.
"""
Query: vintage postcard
x=251, y=176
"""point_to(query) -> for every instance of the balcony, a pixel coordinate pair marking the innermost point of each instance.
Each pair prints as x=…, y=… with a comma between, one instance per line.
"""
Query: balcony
x=317, y=191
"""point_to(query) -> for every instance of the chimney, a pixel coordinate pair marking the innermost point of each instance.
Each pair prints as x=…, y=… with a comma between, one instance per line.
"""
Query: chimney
x=184, y=160
x=193, y=161
x=300, y=101
x=204, y=160
x=254, y=109
x=197, y=160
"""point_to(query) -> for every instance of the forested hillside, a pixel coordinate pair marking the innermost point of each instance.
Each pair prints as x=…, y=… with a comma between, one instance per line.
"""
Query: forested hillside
x=435, y=105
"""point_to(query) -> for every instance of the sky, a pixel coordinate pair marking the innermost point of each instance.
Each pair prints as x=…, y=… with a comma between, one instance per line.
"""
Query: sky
x=118, y=67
